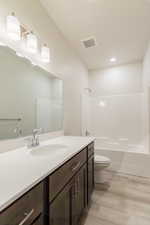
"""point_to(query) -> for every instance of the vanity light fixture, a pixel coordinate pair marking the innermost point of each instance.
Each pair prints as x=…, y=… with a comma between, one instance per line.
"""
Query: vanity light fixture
x=45, y=54
x=28, y=45
x=31, y=43
x=13, y=27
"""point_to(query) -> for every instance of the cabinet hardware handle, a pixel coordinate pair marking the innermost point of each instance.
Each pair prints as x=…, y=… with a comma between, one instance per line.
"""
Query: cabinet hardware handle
x=76, y=166
x=27, y=216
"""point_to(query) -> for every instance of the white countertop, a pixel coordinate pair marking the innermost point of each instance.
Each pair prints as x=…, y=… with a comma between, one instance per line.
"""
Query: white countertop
x=23, y=168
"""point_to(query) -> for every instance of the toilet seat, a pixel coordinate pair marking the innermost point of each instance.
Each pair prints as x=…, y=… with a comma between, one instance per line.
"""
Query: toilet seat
x=101, y=159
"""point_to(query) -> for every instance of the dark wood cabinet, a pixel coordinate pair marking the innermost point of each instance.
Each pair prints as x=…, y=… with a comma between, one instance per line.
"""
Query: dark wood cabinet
x=60, y=208
x=39, y=221
x=60, y=198
x=79, y=193
x=90, y=177
x=63, y=174
x=25, y=210
x=69, y=205
x=90, y=148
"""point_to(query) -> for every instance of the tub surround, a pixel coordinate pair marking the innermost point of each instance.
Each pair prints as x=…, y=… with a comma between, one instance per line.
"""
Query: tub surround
x=23, y=168
x=131, y=163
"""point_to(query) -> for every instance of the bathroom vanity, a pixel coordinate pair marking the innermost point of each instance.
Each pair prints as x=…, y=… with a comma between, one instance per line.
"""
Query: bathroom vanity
x=50, y=184
x=56, y=190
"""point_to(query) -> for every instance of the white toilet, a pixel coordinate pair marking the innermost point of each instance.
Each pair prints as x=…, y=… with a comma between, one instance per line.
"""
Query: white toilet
x=101, y=163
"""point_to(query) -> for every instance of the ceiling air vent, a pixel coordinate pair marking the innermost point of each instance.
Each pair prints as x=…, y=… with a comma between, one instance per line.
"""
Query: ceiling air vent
x=90, y=42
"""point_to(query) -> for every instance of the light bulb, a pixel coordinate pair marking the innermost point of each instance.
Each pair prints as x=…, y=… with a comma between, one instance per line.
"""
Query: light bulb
x=13, y=27
x=45, y=54
x=32, y=43
x=102, y=104
x=113, y=59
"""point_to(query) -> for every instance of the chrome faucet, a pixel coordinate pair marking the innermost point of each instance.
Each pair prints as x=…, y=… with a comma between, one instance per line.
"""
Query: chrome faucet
x=34, y=140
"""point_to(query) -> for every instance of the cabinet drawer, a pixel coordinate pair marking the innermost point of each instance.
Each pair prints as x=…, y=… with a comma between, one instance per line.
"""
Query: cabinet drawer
x=24, y=210
x=59, y=178
x=90, y=149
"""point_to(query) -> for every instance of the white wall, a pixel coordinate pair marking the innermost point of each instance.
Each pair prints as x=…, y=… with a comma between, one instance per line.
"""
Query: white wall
x=64, y=62
x=116, y=80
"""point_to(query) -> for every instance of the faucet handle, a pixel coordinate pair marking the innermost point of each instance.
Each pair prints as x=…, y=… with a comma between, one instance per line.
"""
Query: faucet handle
x=37, y=131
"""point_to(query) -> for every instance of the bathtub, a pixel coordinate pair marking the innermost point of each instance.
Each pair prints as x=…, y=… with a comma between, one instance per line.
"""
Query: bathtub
x=121, y=144
x=125, y=158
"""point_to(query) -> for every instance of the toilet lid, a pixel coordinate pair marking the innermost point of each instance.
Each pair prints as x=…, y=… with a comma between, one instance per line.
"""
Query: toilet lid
x=101, y=159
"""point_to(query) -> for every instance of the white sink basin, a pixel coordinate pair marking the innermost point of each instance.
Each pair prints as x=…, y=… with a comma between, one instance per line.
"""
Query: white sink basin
x=48, y=149
x=4, y=151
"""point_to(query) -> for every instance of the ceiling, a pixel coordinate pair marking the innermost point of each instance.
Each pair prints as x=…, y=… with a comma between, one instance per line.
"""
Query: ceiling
x=121, y=28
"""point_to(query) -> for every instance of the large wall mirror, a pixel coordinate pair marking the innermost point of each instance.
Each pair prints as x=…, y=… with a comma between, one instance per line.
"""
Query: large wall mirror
x=30, y=97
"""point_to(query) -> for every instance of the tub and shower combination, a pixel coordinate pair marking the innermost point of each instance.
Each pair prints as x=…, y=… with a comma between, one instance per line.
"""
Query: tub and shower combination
x=119, y=124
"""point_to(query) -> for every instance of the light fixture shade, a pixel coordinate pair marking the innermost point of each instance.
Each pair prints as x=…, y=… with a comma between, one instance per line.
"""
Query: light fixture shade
x=32, y=43
x=45, y=54
x=13, y=27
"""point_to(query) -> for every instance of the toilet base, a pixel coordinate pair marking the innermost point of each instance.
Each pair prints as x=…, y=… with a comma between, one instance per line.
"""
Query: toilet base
x=102, y=177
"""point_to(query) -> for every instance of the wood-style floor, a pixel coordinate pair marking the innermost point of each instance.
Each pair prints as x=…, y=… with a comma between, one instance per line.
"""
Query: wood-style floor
x=127, y=202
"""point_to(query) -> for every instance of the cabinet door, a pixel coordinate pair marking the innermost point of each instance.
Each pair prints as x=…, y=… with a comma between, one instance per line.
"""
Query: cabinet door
x=79, y=195
x=90, y=178
x=61, y=176
x=60, y=208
